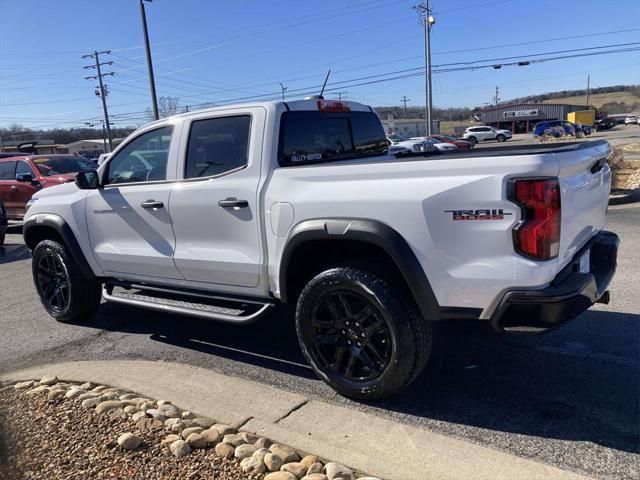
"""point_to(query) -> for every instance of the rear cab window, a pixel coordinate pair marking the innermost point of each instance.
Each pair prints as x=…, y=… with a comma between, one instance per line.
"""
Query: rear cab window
x=319, y=136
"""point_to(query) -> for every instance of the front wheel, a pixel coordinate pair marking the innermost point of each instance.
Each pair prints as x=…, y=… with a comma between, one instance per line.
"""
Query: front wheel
x=361, y=334
x=65, y=293
x=501, y=138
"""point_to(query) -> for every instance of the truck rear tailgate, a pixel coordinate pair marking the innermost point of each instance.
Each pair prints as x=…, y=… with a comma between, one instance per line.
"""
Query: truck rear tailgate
x=585, y=184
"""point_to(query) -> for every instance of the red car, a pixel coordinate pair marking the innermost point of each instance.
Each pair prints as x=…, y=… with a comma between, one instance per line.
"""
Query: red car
x=21, y=177
x=449, y=139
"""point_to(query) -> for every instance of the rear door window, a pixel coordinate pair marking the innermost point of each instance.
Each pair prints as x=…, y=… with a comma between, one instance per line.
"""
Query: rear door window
x=309, y=137
x=7, y=170
x=217, y=145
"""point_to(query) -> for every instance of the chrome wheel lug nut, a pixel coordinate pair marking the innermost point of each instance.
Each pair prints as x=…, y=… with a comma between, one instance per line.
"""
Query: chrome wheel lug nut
x=349, y=342
x=362, y=335
x=357, y=324
x=346, y=323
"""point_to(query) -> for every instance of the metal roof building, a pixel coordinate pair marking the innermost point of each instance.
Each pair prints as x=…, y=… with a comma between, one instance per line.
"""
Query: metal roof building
x=521, y=117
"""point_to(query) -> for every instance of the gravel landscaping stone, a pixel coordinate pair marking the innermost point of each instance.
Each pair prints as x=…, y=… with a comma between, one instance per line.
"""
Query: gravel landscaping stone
x=40, y=389
x=252, y=465
x=263, y=443
x=74, y=392
x=298, y=469
x=334, y=470
x=204, y=422
x=315, y=468
x=248, y=437
x=130, y=409
x=117, y=413
x=212, y=436
x=169, y=439
x=107, y=405
x=129, y=441
x=273, y=462
x=57, y=393
x=286, y=453
x=90, y=402
x=309, y=460
x=280, y=476
x=224, y=429
x=233, y=439
x=137, y=416
x=169, y=410
x=84, y=396
x=157, y=414
x=88, y=386
x=195, y=440
x=23, y=385
x=244, y=451
x=187, y=416
x=49, y=380
x=315, y=476
x=60, y=440
x=180, y=448
x=146, y=424
x=225, y=450
x=188, y=431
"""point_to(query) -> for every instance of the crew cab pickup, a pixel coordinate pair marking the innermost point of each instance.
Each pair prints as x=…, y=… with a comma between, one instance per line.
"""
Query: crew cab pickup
x=225, y=212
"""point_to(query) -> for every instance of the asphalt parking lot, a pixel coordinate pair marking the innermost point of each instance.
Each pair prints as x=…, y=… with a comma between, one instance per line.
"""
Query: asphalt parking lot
x=617, y=136
x=569, y=398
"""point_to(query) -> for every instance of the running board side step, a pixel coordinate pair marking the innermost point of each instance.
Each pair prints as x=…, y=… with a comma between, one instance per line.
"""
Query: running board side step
x=229, y=310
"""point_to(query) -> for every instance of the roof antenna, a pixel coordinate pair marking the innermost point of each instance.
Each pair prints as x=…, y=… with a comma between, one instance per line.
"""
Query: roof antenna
x=325, y=83
x=320, y=97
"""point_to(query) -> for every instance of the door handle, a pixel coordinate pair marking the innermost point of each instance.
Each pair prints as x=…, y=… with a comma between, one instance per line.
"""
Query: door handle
x=233, y=203
x=152, y=204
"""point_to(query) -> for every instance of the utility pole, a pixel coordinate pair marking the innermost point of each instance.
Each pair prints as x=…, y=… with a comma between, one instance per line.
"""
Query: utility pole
x=428, y=20
x=284, y=89
x=102, y=92
x=588, y=89
x=152, y=82
x=496, y=99
x=404, y=101
x=340, y=94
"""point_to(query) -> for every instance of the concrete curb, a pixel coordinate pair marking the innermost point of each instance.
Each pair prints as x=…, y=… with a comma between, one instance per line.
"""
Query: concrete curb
x=362, y=441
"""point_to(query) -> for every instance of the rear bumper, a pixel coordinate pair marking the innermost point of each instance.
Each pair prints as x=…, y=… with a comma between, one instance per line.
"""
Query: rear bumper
x=570, y=293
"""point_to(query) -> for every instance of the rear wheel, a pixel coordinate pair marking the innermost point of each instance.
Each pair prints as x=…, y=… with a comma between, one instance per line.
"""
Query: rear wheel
x=361, y=334
x=473, y=141
x=65, y=293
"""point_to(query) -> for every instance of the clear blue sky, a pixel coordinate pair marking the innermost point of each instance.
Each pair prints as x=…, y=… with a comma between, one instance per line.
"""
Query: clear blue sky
x=217, y=51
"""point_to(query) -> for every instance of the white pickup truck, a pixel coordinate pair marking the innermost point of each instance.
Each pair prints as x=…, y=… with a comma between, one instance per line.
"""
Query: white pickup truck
x=224, y=212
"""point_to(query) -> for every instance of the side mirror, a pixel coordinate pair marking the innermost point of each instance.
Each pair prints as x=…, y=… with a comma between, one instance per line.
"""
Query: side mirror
x=24, y=177
x=87, y=180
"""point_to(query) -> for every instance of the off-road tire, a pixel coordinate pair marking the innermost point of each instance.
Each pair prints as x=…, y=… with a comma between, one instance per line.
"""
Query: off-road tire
x=409, y=332
x=84, y=294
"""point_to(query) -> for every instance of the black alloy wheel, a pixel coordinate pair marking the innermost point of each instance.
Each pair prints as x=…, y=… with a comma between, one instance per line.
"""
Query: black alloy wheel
x=351, y=338
x=361, y=332
x=53, y=282
x=65, y=292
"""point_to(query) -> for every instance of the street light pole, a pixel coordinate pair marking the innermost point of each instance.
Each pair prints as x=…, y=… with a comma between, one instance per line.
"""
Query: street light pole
x=428, y=20
x=284, y=89
x=152, y=82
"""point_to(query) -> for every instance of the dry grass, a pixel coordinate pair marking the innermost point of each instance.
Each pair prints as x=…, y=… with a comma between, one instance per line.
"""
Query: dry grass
x=625, y=173
x=598, y=99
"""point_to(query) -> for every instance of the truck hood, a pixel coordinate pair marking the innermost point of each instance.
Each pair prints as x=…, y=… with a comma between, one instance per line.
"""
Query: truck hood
x=67, y=187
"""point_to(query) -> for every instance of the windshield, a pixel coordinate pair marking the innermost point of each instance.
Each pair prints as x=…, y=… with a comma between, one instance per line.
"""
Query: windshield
x=52, y=166
x=394, y=137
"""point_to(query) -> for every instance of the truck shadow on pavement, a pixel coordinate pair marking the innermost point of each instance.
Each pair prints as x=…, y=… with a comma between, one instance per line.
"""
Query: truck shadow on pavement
x=578, y=383
x=12, y=251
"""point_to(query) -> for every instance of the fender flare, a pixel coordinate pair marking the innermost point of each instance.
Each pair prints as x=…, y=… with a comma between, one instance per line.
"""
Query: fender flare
x=368, y=231
x=62, y=228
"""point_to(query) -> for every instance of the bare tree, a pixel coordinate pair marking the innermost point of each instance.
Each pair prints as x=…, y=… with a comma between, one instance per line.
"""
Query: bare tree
x=168, y=106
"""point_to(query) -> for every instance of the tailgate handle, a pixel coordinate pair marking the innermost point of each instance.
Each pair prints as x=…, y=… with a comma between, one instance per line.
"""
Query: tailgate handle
x=598, y=165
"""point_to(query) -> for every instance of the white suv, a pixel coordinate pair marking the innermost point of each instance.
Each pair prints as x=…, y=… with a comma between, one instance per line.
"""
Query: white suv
x=484, y=133
x=631, y=120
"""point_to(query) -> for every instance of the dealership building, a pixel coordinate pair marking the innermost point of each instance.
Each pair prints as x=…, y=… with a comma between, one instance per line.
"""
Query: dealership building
x=522, y=117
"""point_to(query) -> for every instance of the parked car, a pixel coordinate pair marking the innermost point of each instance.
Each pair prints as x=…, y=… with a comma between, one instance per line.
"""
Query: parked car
x=461, y=144
x=399, y=144
x=440, y=146
x=21, y=177
x=557, y=129
x=631, y=120
x=605, y=123
x=486, y=134
x=3, y=222
x=275, y=202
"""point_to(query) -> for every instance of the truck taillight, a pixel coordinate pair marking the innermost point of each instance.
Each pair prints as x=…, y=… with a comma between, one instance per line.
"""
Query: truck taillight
x=538, y=234
x=333, y=106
